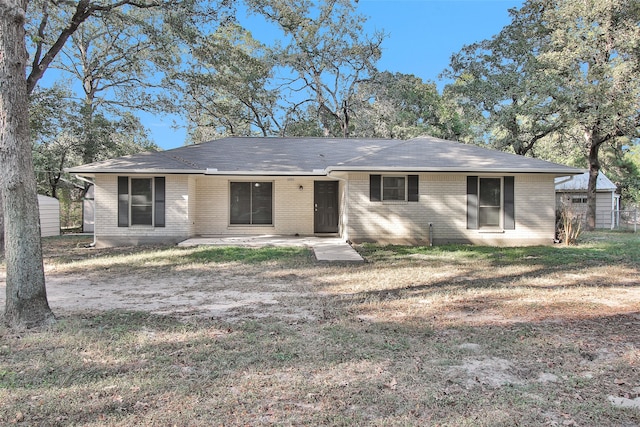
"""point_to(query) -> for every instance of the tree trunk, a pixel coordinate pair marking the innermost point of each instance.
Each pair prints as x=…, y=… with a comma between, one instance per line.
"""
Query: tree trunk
x=345, y=119
x=593, y=143
x=1, y=226
x=26, y=303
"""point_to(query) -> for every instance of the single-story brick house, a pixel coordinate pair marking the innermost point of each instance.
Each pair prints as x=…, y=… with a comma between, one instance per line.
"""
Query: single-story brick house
x=389, y=191
x=572, y=191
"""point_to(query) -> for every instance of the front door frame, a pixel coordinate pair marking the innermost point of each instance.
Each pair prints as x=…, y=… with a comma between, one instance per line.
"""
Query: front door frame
x=326, y=211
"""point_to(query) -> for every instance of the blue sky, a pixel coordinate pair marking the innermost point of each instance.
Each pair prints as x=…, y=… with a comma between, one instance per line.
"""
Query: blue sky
x=422, y=36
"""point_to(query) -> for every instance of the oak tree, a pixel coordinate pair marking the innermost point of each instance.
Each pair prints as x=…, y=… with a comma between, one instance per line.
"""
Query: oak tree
x=26, y=302
x=563, y=70
x=54, y=23
x=326, y=53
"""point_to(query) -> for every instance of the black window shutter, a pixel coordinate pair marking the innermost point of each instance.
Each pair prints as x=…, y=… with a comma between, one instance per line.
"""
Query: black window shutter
x=375, y=188
x=123, y=201
x=159, y=202
x=509, y=208
x=472, y=202
x=413, y=188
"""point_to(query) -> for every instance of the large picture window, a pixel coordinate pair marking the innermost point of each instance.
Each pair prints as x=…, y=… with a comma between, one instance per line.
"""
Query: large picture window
x=251, y=203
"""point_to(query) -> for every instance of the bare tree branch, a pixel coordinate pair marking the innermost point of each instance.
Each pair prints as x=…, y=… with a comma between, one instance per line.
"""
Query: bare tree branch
x=84, y=10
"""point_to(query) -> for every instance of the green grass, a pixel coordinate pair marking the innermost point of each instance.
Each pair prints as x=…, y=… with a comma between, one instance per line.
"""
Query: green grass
x=69, y=253
x=600, y=247
x=157, y=371
x=246, y=255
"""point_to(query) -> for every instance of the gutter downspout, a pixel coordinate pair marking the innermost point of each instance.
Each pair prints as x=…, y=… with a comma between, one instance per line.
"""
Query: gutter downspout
x=430, y=234
x=87, y=180
x=613, y=209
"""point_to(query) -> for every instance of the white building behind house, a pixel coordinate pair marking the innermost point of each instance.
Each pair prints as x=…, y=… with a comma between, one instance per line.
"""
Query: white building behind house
x=49, y=216
x=573, y=190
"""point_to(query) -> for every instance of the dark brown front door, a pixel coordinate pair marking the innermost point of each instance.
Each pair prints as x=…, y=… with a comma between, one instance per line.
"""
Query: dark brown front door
x=325, y=194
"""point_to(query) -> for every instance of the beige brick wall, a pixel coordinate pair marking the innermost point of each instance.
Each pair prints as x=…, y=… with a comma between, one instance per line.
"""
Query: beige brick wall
x=534, y=209
x=293, y=211
x=177, y=216
x=443, y=204
x=383, y=221
x=446, y=206
x=199, y=205
x=343, y=226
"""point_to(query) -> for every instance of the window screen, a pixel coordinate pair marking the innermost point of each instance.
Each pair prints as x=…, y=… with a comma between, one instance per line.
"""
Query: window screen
x=141, y=201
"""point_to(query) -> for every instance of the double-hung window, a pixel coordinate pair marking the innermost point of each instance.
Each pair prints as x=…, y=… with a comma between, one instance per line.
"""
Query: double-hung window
x=141, y=201
x=403, y=188
x=141, y=197
x=490, y=203
x=394, y=188
x=251, y=203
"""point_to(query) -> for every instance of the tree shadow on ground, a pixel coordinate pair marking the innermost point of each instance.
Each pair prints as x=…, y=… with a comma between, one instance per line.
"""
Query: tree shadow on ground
x=132, y=367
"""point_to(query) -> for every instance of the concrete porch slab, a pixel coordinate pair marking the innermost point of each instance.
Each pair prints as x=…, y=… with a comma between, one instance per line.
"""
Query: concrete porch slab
x=327, y=249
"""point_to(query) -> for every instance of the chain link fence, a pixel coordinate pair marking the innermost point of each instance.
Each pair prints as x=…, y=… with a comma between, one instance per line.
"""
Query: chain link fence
x=626, y=220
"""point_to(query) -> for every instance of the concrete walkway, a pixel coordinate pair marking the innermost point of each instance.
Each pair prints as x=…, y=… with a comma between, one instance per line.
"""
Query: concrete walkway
x=329, y=249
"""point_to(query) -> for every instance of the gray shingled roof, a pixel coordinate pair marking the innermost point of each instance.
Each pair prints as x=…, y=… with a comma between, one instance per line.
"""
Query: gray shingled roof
x=318, y=156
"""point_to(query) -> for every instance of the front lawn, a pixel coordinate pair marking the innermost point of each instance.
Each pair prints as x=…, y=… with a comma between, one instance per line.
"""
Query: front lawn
x=447, y=336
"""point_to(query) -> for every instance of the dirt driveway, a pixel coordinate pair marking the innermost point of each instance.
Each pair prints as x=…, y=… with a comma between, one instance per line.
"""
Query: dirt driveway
x=228, y=291
x=213, y=294
x=434, y=287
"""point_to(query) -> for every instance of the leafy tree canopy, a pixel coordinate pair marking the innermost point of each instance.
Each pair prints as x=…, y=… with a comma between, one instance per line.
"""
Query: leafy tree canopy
x=563, y=71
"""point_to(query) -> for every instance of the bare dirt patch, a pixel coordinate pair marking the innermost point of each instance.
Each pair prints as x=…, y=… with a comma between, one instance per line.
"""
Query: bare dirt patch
x=212, y=294
x=219, y=291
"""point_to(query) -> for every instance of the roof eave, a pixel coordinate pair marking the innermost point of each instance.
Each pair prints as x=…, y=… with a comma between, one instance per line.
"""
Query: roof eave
x=315, y=172
x=558, y=172
x=322, y=172
x=133, y=171
x=93, y=172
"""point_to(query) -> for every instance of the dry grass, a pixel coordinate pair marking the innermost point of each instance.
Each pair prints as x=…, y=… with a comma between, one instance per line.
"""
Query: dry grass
x=448, y=336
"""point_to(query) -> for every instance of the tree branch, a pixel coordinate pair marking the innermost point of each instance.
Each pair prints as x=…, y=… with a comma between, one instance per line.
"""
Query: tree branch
x=40, y=42
x=84, y=10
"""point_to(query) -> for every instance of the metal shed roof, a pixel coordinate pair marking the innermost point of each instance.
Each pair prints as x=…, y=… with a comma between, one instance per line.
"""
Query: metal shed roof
x=581, y=182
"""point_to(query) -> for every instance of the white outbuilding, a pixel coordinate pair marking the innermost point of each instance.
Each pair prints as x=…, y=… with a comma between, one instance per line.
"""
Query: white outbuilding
x=49, y=216
x=574, y=190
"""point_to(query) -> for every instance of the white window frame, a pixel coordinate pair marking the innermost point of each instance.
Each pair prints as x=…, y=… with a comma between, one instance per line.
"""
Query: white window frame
x=501, y=206
x=578, y=200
